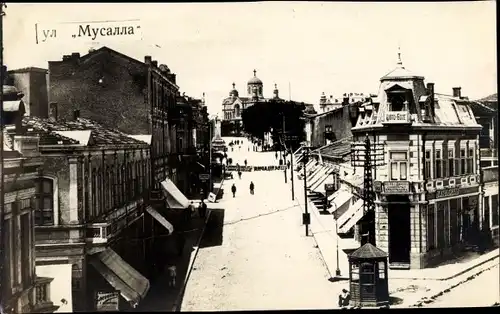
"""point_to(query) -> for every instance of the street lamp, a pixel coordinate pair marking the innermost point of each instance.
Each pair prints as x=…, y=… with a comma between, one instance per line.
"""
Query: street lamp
x=337, y=271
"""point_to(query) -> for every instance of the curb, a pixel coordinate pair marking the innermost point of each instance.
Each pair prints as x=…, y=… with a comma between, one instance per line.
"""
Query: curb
x=176, y=307
x=434, y=296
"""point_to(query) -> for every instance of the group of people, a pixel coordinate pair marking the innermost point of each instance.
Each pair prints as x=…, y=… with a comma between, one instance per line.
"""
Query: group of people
x=252, y=188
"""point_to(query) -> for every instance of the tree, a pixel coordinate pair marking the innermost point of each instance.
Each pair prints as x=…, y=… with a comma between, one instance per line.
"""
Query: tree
x=264, y=116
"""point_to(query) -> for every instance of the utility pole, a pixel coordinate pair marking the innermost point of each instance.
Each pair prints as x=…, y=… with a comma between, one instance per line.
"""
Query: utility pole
x=210, y=157
x=306, y=218
x=291, y=173
x=372, y=157
x=2, y=207
x=284, y=145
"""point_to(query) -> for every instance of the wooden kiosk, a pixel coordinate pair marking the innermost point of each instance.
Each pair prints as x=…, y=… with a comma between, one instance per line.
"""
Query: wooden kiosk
x=368, y=279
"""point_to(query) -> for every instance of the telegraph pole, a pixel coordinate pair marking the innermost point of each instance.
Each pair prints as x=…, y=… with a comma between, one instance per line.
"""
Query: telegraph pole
x=2, y=207
x=291, y=173
x=284, y=145
x=306, y=217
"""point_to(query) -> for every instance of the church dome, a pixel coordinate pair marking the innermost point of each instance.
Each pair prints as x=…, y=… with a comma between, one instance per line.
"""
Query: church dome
x=234, y=92
x=255, y=80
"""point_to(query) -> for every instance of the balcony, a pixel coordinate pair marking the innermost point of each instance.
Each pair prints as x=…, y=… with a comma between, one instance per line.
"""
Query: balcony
x=489, y=153
x=490, y=174
x=42, y=302
x=97, y=233
x=397, y=117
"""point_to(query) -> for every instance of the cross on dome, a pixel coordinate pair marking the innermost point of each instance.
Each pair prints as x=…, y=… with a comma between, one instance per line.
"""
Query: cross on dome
x=400, y=63
x=234, y=85
x=254, y=72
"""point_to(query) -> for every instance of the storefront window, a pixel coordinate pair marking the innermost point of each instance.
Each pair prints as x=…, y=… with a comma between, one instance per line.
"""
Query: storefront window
x=494, y=207
x=431, y=235
x=454, y=228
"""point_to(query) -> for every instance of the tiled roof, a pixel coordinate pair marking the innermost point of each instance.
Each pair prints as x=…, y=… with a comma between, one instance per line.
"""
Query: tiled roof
x=100, y=135
x=336, y=149
x=368, y=251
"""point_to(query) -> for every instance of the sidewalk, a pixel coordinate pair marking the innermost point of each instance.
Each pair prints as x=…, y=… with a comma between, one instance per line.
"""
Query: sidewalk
x=161, y=297
x=322, y=228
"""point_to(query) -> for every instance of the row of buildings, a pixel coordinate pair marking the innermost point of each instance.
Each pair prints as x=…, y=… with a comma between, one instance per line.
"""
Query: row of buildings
x=102, y=152
x=434, y=167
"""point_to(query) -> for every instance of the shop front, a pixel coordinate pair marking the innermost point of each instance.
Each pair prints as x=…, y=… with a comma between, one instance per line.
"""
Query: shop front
x=452, y=221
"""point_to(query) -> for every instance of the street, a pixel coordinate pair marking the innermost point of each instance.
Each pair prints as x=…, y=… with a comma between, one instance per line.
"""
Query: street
x=265, y=260
x=482, y=290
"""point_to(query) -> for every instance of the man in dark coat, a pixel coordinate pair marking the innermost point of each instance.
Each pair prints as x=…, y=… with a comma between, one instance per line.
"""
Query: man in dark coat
x=233, y=189
x=252, y=187
x=202, y=209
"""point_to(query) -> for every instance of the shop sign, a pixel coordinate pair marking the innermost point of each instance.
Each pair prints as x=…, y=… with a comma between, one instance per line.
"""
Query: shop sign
x=107, y=301
x=396, y=117
x=447, y=192
x=396, y=187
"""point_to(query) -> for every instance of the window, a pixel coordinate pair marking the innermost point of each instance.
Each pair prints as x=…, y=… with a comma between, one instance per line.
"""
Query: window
x=454, y=227
x=397, y=102
x=25, y=250
x=431, y=234
x=399, y=165
x=451, y=162
x=438, y=168
x=94, y=193
x=494, y=213
x=462, y=161
x=428, y=164
x=381, y=270
x=44, y=214
x=470, y=161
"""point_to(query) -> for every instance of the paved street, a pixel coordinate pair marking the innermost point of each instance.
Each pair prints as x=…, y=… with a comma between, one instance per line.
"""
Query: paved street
x=482, y=290
x=265, y=260
x=245, y=152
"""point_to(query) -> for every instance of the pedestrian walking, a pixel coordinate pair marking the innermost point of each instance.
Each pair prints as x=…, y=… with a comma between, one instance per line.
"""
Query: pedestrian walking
x=233, y=189
x=252, y=187
x=172, y=275
x=191, y=209
x=288, y=164
x=239, y=174
x=276, y=155
x=181, y=241
x=246, y=162
x=202, y=209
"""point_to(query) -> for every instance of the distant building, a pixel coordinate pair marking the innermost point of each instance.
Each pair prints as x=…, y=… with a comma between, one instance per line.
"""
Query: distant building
x=335, y=102
x=33, y=82
x=233, y=106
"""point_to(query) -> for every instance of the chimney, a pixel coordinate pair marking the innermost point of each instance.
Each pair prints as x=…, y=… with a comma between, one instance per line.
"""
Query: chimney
x=430, y=92
x=66, y=57
x=154, y=63
x=53, y=111
x=75, y=55
x=457, y=92
x=147, y=59
x=76, y=114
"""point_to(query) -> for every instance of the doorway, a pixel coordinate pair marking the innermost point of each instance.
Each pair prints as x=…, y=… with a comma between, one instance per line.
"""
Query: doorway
x=398, y=212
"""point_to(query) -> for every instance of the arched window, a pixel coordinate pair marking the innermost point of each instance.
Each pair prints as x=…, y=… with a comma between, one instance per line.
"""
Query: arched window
x=44, y=215
x=236, y=110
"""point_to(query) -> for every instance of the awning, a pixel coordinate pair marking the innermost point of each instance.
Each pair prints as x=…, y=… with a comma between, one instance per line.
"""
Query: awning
x=175, y=198
x=320, y=185
x=320, y=177
x=340, y=203
x=132, y=285
x=314, y=172
x=351, y=217
x=156, y=215
x=311, y=165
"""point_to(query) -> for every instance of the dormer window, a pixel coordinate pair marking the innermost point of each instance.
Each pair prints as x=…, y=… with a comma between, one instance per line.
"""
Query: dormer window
x=397, y=102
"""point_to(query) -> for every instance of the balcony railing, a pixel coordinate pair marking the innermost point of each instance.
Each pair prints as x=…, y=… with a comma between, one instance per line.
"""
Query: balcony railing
x=98, y=233
x=490, y=174
x=43, y=304
x=397, y=117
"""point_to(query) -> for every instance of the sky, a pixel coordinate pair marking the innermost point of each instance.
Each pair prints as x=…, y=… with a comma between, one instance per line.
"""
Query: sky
x=304, y=48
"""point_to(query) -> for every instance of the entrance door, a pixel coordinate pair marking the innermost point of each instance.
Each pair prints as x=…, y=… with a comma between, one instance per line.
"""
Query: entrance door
x=399, y=230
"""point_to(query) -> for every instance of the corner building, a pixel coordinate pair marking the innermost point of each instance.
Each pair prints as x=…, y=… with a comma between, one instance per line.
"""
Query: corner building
x=427, y=191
